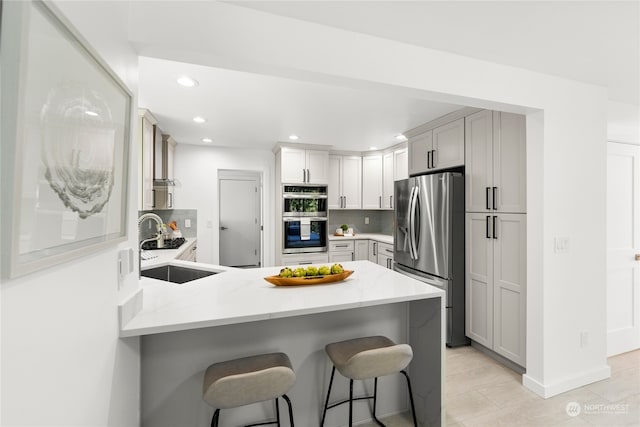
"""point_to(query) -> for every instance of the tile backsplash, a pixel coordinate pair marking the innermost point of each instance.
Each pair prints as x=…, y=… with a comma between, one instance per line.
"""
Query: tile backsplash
x=379, y=221
x=177, y=215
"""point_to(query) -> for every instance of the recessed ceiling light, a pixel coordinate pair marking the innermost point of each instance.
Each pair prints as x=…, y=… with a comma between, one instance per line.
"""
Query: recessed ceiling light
x=373, y=148
x=187, y=81
x=401, y=137
x=293, y=137
x=207, y=140
x=199, y=119
x=91, y=113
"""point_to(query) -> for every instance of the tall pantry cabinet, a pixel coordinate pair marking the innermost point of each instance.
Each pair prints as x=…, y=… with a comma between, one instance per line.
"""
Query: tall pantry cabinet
x=495, y=162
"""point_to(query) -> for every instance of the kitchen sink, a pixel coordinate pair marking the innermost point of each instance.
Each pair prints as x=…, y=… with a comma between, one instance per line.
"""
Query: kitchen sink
x=176, y=274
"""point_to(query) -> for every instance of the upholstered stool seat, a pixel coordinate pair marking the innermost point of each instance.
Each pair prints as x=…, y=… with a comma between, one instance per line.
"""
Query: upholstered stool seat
x=364, y=358
x=240, y=382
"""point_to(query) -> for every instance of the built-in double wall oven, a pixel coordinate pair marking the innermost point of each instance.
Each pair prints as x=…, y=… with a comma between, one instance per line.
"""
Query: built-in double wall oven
x=304, y=216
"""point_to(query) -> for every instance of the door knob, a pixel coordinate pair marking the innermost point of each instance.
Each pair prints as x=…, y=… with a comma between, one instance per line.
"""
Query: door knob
x=223, y=228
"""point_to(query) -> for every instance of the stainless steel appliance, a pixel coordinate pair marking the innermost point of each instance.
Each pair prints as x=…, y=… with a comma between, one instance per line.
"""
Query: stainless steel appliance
x=429, y=240
x=304, y=234
x=304, y=200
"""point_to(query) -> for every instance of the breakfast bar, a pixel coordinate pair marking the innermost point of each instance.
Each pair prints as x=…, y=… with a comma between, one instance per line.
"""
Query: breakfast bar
x=236, y=313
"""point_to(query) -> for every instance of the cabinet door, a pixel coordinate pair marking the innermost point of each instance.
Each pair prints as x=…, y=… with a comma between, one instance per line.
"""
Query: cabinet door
x=400, y=164
x=509, y=162
x=340, y=257
x=292, y=165
x=448, y=145
x=509, y=289
x=334, y=190
x=317, y=164
x=478, y=161
x=385, y=260
x=479, y=278
x=372, y=182
x=352, y=181
x=147, y=164
x=362, y=250
x=388, y=177
x=419, y=148
x=373, y=251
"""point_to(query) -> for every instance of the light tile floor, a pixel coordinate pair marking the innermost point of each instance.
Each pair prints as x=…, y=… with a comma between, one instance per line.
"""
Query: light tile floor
x=480, y=392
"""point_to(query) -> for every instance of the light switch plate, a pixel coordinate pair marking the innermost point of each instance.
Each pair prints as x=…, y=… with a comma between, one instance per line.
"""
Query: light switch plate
x=561, y=245
x=125, y=262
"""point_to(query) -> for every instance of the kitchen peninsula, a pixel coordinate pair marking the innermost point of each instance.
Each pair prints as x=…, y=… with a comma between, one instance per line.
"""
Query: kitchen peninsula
x=236, y=313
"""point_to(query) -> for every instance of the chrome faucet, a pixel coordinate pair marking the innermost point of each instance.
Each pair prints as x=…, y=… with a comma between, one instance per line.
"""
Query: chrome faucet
x=144, y=217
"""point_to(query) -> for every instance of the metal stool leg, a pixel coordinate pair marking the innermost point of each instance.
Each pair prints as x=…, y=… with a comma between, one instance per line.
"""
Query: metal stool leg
x=413, y=408
x=277, y=413
x=326, y=403
x=350, y=403
x=290, y=409
x=214, y=419
x=375, y=398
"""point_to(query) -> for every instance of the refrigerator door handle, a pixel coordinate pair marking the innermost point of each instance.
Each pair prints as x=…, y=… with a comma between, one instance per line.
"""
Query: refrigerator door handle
x=412, y=221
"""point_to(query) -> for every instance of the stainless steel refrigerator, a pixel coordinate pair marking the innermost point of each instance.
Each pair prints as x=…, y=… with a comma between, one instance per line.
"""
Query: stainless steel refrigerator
x=429, y=240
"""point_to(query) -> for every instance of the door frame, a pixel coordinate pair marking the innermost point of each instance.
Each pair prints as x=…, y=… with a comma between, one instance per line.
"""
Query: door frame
x=244, y=175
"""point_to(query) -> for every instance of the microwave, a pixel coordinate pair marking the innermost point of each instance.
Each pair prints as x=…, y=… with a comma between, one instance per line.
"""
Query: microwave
x=305, y=234
x=304, y=200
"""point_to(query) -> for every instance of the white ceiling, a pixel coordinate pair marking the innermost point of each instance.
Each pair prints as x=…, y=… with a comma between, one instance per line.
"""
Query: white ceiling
x=592, y=42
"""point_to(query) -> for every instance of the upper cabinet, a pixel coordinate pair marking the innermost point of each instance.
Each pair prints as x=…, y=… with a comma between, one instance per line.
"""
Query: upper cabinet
x=495, y=166
x=345, y=182
x=372, y=175
x=439, y=148
x=146, y=160
x=300, y=166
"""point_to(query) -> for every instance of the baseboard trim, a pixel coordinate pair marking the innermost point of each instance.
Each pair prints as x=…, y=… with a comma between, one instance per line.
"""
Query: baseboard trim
x=566, y=384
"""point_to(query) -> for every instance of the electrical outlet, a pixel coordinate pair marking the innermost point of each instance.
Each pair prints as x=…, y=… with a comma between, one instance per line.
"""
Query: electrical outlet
x=561, y=245
x=187, y=223
x=366, y=220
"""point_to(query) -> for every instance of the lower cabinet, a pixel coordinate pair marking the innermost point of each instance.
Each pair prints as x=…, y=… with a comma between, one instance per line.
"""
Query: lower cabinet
x=303, y=259
x=496, y=283
x=381, y=253
x=341, y=251
x=362, y=250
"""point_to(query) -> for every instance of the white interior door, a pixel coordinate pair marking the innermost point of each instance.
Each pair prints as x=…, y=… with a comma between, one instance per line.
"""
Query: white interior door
x=623, y=248
x=240, y=221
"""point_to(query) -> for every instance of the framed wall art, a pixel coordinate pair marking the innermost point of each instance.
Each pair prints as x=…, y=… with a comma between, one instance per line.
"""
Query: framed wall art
x=65, y=142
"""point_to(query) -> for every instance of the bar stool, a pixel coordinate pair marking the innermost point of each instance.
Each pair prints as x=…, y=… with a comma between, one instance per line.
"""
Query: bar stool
x=364, y=358
x=248, y=380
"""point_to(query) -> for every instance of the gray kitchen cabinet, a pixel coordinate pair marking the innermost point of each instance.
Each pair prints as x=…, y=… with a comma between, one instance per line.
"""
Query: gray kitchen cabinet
x=305, y=258
x=373, y=251
x=394, y=167
x=303, y=166
x=361, y=250
x=439, y=148
x=495, y=283
x=495, y=165
x=341, y=251
x=385, y=255
x=345, y=182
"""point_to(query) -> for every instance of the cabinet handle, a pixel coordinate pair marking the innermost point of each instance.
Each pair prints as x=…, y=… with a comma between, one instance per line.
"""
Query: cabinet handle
x=486, y=203
x=495, y=196
x=304, y=175
x=487, y=227
x=353, y=256
x=391, y=202
x=170, y=200
x=434, y=161
x=342, y=246
x=429, y=159
x=153, y=198
x=304, y=262
x=375, y=248
x=308, y=175
x=380, y=201
x=495, y=234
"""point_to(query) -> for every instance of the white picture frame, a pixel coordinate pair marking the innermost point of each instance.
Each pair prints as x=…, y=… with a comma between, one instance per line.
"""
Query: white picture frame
x=65, y=138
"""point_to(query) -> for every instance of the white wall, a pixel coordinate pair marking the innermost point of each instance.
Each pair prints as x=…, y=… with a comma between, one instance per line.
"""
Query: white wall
x=62, y=361
x=566, y=146
x=623, y=123
x=196, y=168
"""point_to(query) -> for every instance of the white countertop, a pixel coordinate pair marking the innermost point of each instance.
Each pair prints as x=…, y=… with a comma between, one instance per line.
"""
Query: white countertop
x=242, y=295
x=166, y=255
x=384, y=238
